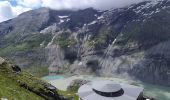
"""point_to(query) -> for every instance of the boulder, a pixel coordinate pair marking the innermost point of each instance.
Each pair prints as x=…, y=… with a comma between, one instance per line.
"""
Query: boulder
x=50, y=87
x=1, y=60
x=16, y=68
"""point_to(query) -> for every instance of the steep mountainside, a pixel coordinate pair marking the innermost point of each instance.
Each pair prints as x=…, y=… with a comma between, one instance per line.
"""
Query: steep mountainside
x=15, y=85
x=131, y=41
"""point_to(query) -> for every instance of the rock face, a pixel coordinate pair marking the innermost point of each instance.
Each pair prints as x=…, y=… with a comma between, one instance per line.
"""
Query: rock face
x=1, y=60
x=131, y=41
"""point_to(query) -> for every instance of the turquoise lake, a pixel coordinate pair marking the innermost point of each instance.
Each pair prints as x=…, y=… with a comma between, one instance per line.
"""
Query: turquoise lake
x=49, y=78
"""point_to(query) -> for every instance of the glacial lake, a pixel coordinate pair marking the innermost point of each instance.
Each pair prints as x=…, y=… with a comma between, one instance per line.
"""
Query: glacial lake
x=158, y=92
x=49, y=78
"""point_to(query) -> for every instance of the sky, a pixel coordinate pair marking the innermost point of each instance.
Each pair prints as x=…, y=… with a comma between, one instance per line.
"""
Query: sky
x=12, y=8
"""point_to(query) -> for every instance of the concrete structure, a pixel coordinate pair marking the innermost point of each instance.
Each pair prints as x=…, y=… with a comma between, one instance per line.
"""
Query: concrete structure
x=108, y=90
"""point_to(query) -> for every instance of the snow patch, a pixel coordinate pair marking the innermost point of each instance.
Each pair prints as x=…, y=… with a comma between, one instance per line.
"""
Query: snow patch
x=80, y=63
x=68, y=19
x=42, y=44
x=114, y=42
x=63, y=17
x=101, y=17
x=93, y=22
x=61, y=21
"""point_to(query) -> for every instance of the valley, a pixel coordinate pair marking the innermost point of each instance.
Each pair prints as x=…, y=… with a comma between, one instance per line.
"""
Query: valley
x=126, y=45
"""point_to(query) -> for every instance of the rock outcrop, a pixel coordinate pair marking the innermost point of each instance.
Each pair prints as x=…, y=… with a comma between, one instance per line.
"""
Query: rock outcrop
x=76, y=84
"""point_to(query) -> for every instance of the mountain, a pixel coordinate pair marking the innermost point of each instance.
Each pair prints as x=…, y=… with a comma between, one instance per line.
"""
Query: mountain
x=131, y=42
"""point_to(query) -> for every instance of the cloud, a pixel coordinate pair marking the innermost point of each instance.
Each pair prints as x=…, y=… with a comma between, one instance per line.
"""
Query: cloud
x=81, y=4
x=19, y=9
x=30, y=3
x=7, y=11
x=76, y=4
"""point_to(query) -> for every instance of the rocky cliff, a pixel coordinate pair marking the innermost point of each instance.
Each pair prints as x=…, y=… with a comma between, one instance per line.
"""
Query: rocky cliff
x=131, y=41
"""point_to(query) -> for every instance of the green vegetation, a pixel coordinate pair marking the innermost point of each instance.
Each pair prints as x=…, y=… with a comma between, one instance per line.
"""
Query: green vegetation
x=13, y=48
x=10, y=89
x=104, y=34
x=129, y=36
x=64, y=40
x=31, y=42
x=69, y=94
x=22, y=86
x=35, y=40
x=73, y=88
x=27, y=50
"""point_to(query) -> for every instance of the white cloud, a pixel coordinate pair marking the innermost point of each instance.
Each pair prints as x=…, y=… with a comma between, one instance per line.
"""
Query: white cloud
x=81, y=4
x=76, y=4
x=30, y=3
x=19, y=9
x=7, y=11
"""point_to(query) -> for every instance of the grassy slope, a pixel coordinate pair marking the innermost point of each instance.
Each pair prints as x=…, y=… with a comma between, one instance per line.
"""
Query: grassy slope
x=71, y=95
x=10, y=86
x=10, y=89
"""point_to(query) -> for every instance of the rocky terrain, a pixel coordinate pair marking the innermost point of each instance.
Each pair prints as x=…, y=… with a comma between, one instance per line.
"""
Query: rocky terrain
x=132, y=41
